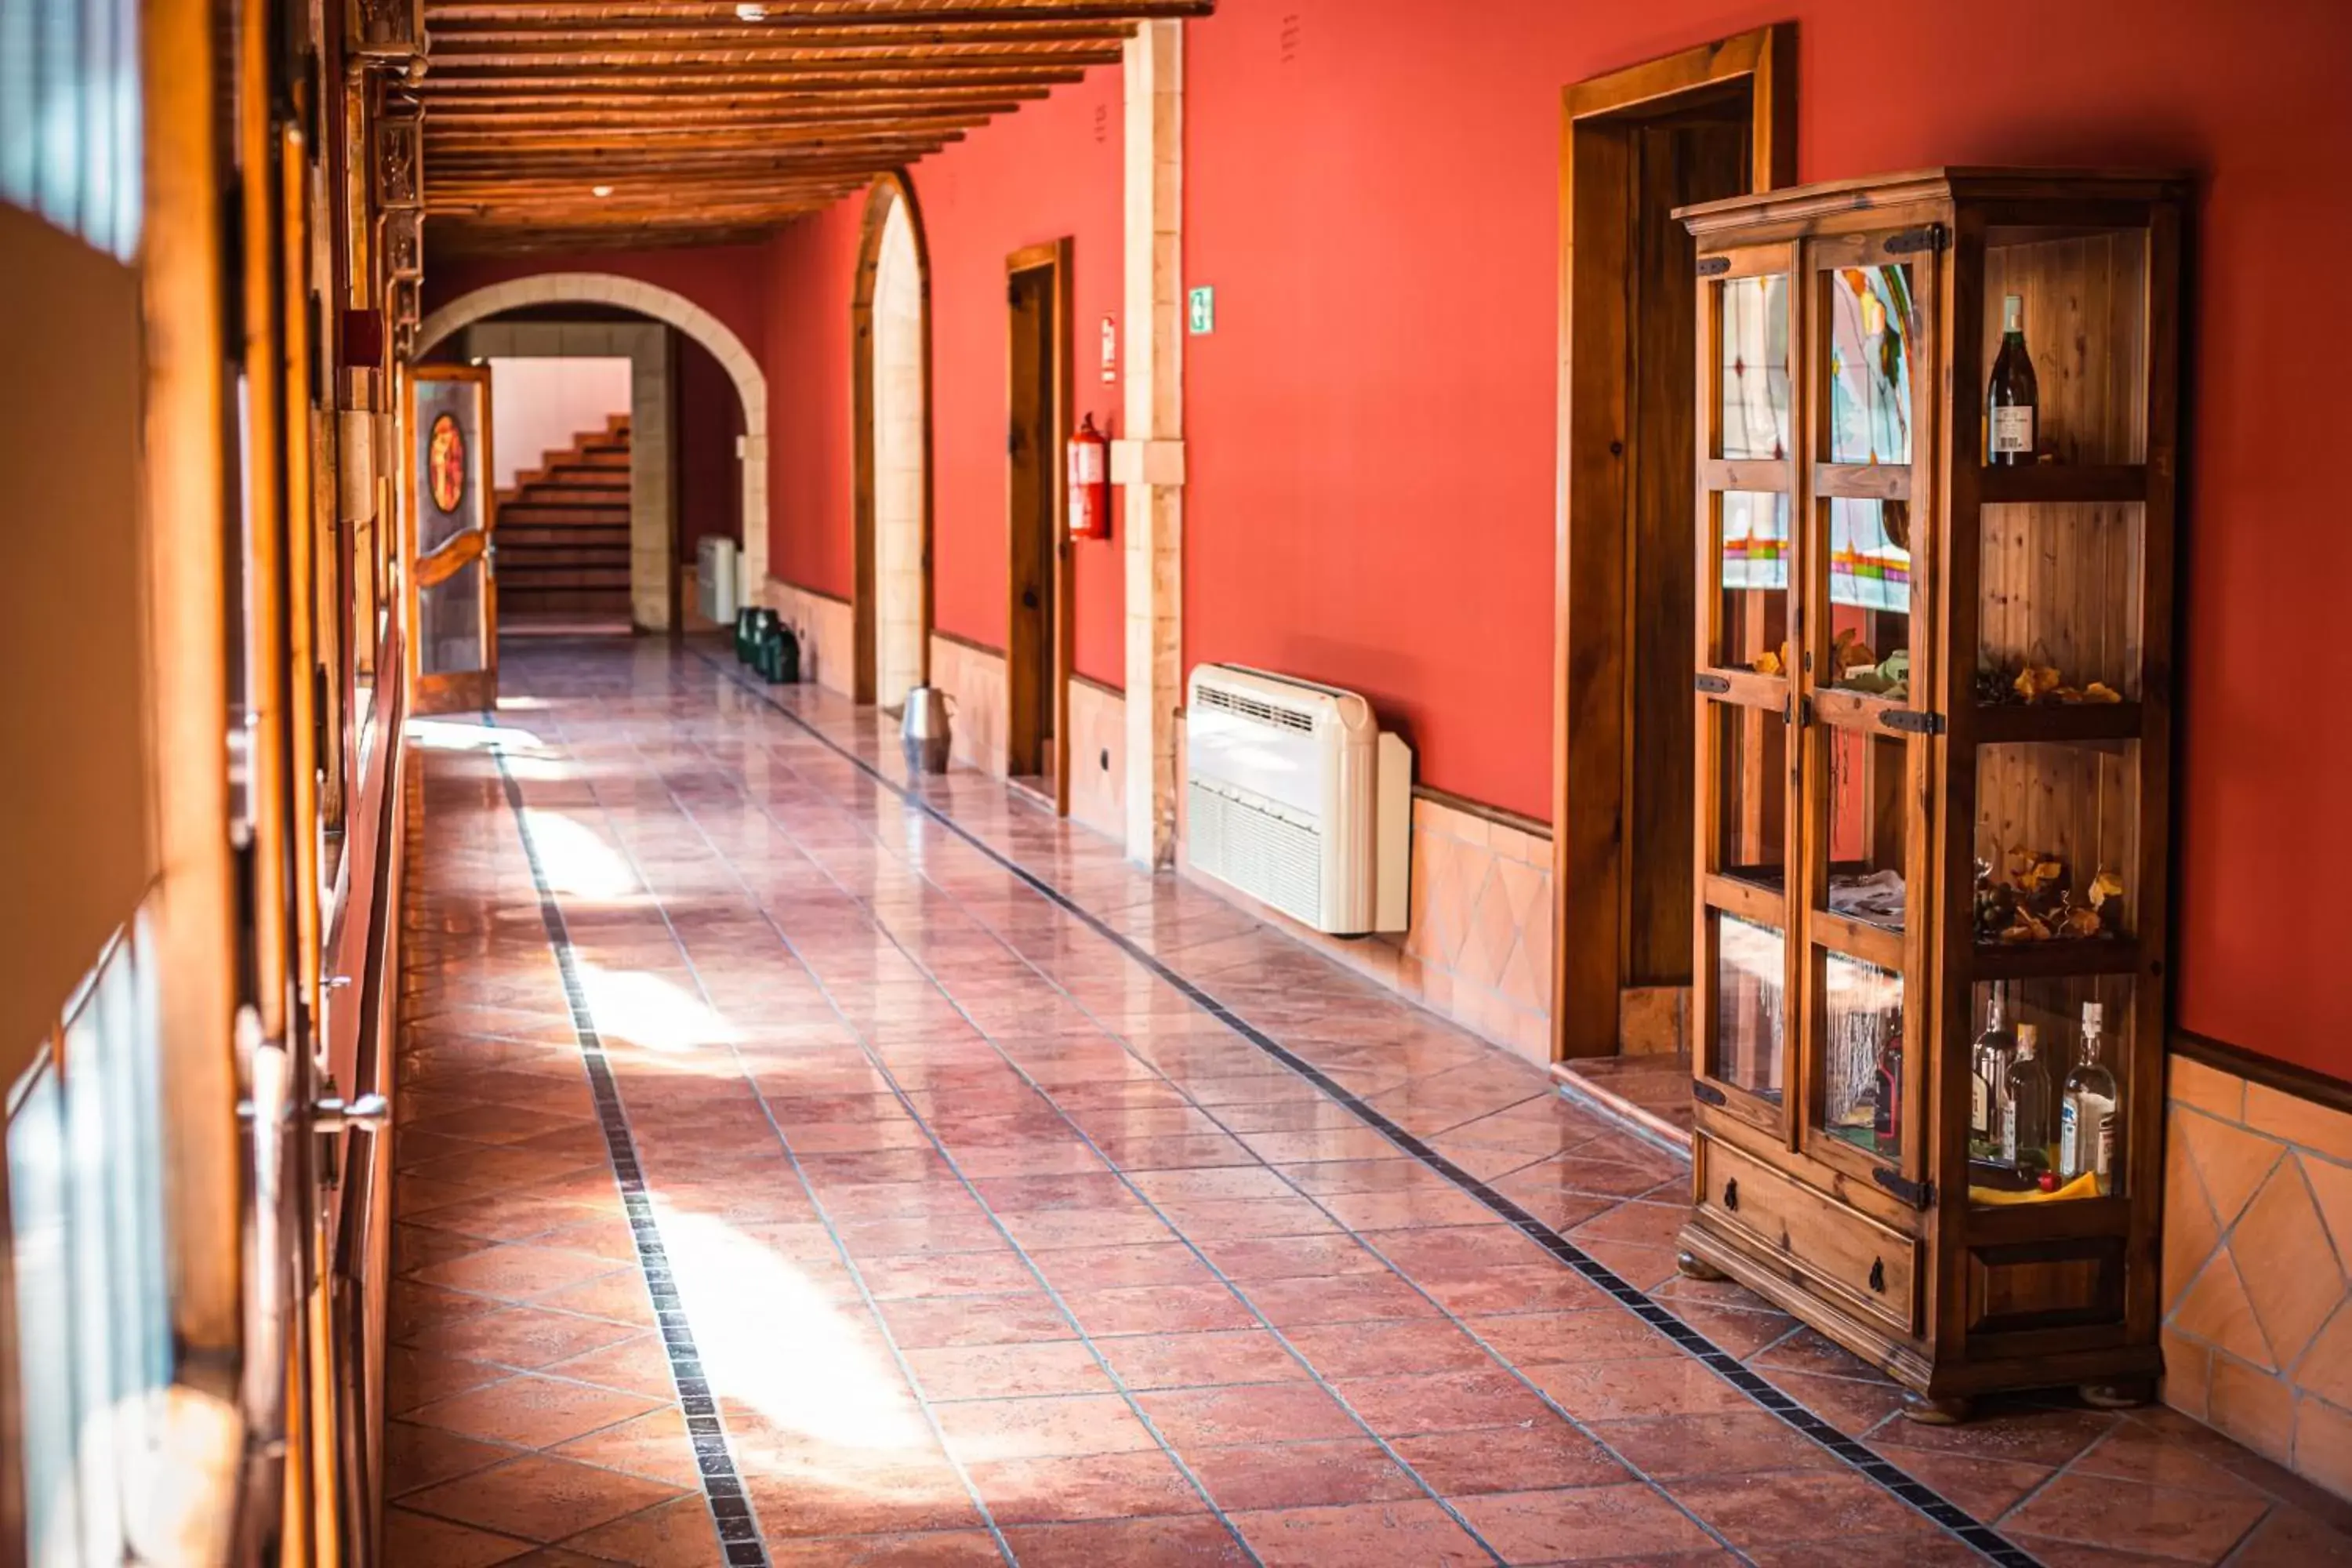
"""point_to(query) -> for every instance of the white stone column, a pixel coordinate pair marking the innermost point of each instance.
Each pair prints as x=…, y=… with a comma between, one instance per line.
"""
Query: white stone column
x=751, y=454
x=1147, y=460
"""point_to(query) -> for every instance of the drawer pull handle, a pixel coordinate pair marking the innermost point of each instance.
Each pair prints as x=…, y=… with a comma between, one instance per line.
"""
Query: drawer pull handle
x=1878, y=1274
x=1731, y=1195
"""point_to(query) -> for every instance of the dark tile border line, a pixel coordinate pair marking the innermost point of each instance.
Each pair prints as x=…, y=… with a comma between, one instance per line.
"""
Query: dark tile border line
x=1925, y=1499
x=722, y=1486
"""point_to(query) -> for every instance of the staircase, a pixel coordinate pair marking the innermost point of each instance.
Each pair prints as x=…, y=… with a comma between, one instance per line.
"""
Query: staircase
x=564, y=533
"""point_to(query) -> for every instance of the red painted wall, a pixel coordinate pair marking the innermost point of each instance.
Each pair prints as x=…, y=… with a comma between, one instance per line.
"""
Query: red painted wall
x=710, y=417
x=726, y=281
x=1049, y=172
x=809, y=270
x=1372, y=187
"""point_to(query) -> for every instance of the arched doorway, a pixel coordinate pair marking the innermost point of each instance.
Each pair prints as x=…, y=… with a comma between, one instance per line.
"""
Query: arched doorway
x=662, y=305
x=891, y=316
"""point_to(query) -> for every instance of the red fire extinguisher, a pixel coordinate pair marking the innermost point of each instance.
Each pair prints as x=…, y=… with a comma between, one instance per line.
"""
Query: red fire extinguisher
x=1090, y=476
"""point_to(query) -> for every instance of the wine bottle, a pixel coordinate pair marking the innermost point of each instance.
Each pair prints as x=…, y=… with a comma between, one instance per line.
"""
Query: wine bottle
x=2025, y=1107
x=2012, y=422
x=2086, y=1120
x=1987, y=1076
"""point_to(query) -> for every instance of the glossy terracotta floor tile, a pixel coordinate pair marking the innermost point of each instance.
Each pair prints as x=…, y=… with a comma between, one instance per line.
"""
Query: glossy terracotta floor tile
x=835, y=1197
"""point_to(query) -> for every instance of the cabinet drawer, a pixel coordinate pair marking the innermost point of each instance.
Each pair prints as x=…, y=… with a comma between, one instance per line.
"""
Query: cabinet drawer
x=1828, y=1247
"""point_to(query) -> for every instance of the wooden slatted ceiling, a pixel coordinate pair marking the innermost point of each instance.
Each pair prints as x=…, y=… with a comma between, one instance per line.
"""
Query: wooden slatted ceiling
x=709, y=122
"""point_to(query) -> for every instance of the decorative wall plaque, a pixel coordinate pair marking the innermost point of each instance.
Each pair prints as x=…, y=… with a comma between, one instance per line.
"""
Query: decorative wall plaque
x=404, y=242
x=384, y=29
x=400, y=153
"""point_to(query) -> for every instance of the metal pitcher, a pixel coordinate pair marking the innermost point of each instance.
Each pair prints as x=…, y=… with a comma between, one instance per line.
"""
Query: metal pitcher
x=923, y=729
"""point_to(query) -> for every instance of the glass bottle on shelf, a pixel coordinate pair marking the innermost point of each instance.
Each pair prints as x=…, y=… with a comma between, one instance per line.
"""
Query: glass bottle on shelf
x=1989, y=1080
x=2087, y=1122
x=2025, y=1107
x=2013, y=401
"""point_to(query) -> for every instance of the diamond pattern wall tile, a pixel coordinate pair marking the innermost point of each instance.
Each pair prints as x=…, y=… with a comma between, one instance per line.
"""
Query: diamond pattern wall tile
x=2287, y=1265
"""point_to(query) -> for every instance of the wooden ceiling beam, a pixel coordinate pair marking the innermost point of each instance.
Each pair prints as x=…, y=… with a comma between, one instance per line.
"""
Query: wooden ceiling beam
x=516, y=127
x=732, y=33
x=785, y=15
x=961, y=70
x=614, y=169
x=530, y=241
x=505, y=57
x=793, y=104
x=443, y=162
x=716, y=215
x=454, y=46
x=734, y=87
x=804, y=138
x=681, y=196
x=521, y=134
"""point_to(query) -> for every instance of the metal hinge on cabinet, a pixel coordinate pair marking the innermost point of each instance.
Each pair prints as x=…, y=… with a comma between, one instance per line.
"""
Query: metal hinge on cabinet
x=1930, y=238
x=1711, y=683
x=1912, y=721
x=1704, y=1092
x=1714, y=266
x=1918, y=1195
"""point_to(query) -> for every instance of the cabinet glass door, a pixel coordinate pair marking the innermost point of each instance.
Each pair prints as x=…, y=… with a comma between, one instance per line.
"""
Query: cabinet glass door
x=1864, y=698
x=1750, y=622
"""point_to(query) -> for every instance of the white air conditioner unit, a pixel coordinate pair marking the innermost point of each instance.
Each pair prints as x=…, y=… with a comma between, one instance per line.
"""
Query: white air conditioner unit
x=714, y=579
x=1294, y=797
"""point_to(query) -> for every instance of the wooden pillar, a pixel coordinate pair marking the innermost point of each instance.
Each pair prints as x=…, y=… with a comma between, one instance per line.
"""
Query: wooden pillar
x=187, y=612
x=1147, y=460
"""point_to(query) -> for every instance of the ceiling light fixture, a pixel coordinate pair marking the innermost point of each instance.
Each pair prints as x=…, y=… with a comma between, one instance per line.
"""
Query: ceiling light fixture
x=750, y=11
x=600, y=190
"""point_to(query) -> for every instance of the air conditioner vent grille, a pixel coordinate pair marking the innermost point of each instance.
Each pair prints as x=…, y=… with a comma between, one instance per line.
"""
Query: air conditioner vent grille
x=1255, y=708
x=1251, y=847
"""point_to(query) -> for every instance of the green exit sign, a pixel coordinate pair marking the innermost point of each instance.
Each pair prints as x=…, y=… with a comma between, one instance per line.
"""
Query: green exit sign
x=1200, y=311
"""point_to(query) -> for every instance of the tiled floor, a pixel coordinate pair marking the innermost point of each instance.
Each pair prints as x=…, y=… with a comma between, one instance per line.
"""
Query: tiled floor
x=987, y=1242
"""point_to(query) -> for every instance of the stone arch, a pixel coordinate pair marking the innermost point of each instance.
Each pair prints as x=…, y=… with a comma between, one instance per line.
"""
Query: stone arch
x=674, y=309
x=893, y=221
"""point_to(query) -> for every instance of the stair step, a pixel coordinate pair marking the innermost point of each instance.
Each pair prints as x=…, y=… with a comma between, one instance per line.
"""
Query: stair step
x=572, y=582
x=573, y=481
x=527, y=514
x=510, y=559
x=530, y=536
x=599, y=459
x=565, y=496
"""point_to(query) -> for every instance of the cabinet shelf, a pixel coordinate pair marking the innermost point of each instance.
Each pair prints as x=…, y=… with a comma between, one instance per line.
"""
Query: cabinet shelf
x=2050, y=483
x=1998, y=724
x=2055, y=958
x=1842, y=990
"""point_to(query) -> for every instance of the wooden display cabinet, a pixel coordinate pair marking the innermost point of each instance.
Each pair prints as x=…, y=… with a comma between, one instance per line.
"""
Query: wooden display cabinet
x=1847, y=513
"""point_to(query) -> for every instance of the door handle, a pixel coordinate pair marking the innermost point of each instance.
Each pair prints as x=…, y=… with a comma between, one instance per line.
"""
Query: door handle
x=332, y=1113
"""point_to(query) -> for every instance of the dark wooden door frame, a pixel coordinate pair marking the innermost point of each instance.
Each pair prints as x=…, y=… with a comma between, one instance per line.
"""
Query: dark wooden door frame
x=888, y=191
x=1052, y=257
x=1590, y=682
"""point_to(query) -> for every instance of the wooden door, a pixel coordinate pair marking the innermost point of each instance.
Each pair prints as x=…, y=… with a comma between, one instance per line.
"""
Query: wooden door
x=1036, y=644
x=450, y=541
x=1706, y=123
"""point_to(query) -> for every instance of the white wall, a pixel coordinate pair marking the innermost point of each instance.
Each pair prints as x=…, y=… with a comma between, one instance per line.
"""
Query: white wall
x=538, y=405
